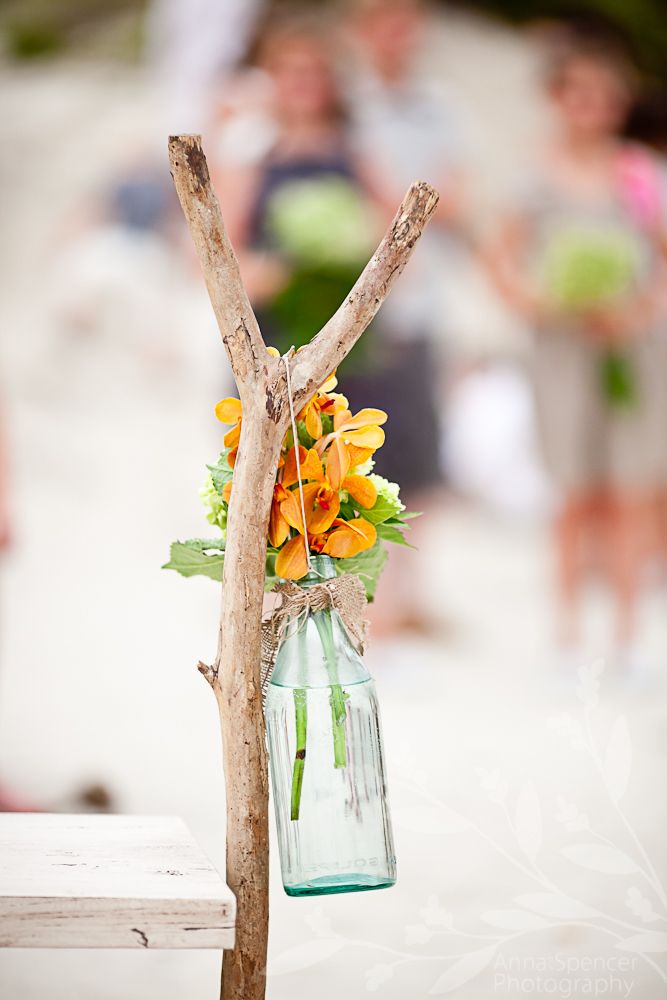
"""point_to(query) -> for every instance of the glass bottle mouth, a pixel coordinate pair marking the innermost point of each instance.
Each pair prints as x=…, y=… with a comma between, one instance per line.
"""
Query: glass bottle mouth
x=322, y=568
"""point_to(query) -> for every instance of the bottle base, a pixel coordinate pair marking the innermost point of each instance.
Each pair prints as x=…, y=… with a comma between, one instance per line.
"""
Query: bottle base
x=328, y=885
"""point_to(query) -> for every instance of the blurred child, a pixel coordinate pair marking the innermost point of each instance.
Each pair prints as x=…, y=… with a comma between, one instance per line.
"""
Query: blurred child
x=580, y=260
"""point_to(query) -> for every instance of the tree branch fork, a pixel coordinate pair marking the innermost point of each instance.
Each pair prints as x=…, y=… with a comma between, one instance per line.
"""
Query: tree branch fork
x=262, y=386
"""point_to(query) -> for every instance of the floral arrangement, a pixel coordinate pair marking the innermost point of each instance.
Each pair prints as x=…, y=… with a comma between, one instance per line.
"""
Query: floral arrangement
x=349, y=511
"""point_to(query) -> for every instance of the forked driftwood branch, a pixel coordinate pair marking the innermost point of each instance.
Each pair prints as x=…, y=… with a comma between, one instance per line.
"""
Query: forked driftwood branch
x=260, y=379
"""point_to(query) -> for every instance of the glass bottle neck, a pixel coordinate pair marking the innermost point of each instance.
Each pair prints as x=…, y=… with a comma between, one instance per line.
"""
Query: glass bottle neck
x=322, y=568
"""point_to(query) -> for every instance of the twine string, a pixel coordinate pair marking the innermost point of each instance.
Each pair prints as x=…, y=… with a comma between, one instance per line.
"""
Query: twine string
x=295, y=434
x=344, y=594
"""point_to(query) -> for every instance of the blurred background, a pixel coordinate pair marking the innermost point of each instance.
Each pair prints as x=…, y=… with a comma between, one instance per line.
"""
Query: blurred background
x=520, y=653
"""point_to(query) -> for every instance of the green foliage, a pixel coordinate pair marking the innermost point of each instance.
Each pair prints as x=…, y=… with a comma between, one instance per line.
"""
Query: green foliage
x=384, y=509
x=37, y=29
x=197, y=557
x=33, y=41
x=367, y=565
x=271, y=578
x=206, y=557
x=392, y=533
x=221, y=472
x=642, y=22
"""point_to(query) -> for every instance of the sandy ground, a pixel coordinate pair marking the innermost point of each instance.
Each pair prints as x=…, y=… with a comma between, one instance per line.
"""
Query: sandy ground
x=528, y=806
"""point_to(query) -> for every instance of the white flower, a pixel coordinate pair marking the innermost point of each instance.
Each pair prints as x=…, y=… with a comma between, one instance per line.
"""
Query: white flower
x=364, y=468
x=216, y=511
x=386, y=489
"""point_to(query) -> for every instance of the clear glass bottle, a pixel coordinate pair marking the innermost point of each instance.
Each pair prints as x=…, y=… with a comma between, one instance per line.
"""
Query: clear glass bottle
x=327, y=766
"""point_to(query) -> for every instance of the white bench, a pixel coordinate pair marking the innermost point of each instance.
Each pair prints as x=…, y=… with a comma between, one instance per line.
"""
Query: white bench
x=108, y=882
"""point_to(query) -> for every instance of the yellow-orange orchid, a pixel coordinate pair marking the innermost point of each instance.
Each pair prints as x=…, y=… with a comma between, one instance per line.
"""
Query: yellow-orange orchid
x=345, y=539
x=362, y=430
x=321, y=503
x=278, y=525
x=323, y=402
x=309, y=463
x=349, y=538
x=321, y=488
x=229, y=411
x=291, y=561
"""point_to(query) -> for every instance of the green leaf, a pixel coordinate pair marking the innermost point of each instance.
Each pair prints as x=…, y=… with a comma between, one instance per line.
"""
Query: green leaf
x=383, y=508
x=348, y=510
x=390, y=533
x=205, y=557
x=221, y=472
x=191, y=558
x=271, y=578
x=327, y=423
x=367, y=565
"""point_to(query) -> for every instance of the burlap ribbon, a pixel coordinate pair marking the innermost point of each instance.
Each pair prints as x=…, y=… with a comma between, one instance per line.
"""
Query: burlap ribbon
x=345, y=594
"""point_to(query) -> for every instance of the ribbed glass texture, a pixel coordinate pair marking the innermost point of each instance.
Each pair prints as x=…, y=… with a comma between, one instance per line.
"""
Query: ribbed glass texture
x=327, y=767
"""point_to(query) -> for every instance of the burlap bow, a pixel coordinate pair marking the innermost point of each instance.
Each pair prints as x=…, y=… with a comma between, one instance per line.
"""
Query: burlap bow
x=345, y=594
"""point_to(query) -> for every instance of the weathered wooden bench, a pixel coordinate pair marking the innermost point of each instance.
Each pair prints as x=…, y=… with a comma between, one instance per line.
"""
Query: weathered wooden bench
x=109, y=882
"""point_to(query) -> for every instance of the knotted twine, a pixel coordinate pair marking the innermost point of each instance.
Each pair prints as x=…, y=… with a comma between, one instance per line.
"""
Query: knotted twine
x=345, y=594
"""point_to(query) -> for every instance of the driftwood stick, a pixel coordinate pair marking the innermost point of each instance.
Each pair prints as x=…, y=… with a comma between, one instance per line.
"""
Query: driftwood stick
x=238, y=326
x=260, y=379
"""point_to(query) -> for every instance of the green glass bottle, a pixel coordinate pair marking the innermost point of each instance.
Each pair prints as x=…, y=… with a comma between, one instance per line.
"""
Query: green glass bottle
x=327, y=766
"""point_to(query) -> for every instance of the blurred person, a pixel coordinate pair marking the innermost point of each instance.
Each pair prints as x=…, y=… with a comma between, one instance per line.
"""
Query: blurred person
x=189, y=45
x=116, y=259
x=579, y=259
x=647, y=124
x=303, y=222
x=299, y=214
x=408, y=127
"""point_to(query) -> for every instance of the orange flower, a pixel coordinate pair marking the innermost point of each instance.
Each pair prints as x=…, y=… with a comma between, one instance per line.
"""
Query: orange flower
x=278, y=525
x=321, y=494
x=229, y=411
x=324, y=401
x=350, y=537
x=363, y=430
x=291, y=562
x=309, y=463
x=322, y=505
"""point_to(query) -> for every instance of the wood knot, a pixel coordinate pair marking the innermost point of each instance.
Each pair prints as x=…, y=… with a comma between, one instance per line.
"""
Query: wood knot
x=208, y=672
x=198, y=166
x=189, y=146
